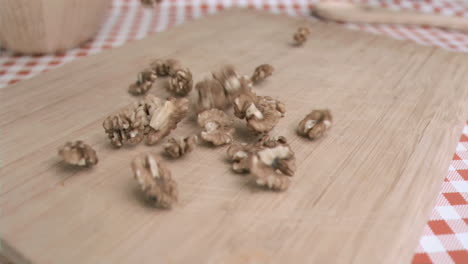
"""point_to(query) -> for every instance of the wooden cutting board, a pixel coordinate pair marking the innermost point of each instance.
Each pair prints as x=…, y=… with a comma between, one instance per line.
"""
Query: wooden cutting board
x=360, y=195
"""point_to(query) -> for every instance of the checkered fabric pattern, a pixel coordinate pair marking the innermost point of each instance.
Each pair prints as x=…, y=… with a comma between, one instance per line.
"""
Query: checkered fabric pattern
x=445, y=237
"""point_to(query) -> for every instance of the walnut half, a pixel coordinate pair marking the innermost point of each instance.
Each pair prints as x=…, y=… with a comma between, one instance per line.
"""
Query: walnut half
x=315, y=124
x=270, y=166
x=262, y=113
x=155, y=180
x=217, y=127
x=78, y=153
x=180, y=146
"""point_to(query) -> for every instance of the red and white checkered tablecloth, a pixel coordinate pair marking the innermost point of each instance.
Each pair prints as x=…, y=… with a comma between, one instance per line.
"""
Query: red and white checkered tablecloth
x=445, y=237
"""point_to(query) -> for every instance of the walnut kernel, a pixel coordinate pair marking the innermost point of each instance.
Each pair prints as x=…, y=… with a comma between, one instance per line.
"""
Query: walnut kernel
x=262, y=113
x=315, y=124
x=164, y=68
x=217, y=127
x=155, y=180
x=262, y=72
x=271, y=166
x=181, y=82
x=78, y=153
x=239, y=155
x=300, y=37
x=165, y=118
x=144, y=82
x=180, y=146
x=211, y=95
x=152, y=117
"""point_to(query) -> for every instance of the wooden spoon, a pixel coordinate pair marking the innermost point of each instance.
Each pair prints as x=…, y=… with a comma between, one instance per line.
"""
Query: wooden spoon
x=355, y=13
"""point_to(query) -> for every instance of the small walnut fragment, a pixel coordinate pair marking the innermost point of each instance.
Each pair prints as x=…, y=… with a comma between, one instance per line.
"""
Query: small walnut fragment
x=217, y=127
x=155, y=180
x=301, y=35
x=165, y=118
x=262, y=113
x=150, y=3
x=315, y=124
x=181, y=82
x=163, y=68
x=144, y=82
x=262, y=72
x=177, y=147
x=78, y=153
x=271, y=166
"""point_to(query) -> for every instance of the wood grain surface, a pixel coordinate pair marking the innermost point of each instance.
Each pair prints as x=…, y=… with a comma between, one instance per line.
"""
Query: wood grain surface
x=360, y=195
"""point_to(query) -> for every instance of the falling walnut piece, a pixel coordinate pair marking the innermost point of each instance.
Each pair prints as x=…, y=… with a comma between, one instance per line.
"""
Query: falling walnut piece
x=78, y=153
x=152, y=117
x=262, y=113
x=217, y=127
x=144, y=82
x=262, y=72
x=271, y=166
x=232, y=83
x=315, y=124
x=211, y=95
x=181, y=82
x=163, y=68
x=165, y=118
x=155, y=180
x=301, y=35
x=180, y=146
x=150, y=3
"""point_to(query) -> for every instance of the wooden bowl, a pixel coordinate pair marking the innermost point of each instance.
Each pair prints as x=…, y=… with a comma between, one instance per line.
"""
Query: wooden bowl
x=46, y=26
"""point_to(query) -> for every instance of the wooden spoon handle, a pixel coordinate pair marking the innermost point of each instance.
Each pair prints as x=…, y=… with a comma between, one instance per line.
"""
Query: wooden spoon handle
x=349, y=12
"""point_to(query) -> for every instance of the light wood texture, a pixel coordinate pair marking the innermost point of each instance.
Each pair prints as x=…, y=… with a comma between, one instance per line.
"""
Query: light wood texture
x=360, y=195
x=356, y=13
x=45, y=26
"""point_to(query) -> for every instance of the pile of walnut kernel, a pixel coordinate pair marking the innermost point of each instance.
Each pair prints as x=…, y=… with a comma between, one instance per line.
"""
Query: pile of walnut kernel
x=221, y=98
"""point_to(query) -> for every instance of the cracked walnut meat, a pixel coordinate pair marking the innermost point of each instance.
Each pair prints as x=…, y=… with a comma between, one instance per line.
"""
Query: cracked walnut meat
x=165, y=118
x=177, y=147
x=315, y=124
x=78, y=153
x=272, y=166
x=239, y=154
x=128, y=125
x=262, y=113
x=217, y=127
x=300, y=37
x=152, y=118
x=262, y=72
x=144, y=82
x=155, y=180
x=163, y=68
x=181, y=82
